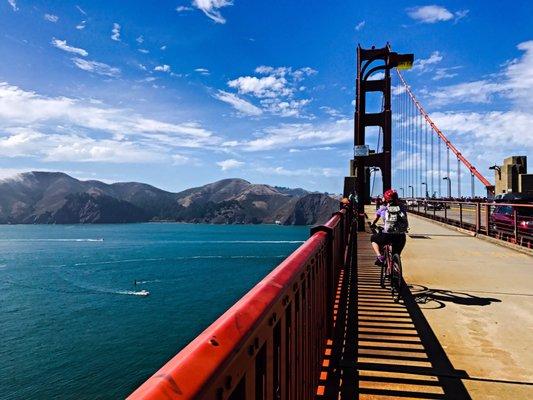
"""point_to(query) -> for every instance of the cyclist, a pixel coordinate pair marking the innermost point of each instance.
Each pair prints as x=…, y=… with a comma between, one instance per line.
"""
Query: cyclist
x=394, y=215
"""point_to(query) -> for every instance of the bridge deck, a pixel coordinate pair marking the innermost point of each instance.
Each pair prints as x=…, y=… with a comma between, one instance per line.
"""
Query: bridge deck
x=462, y=331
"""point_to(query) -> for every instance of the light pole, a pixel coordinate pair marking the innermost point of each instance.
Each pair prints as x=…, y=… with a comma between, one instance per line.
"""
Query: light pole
x=403, y=194
x=447, y=178
x=426, y=189
x=412, y=192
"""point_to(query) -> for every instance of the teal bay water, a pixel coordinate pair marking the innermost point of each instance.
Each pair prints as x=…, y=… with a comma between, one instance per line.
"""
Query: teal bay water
x=72, y=323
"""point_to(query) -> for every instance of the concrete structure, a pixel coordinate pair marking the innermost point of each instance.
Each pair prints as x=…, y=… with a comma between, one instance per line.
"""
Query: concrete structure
x=508, y=176
x=525, y=183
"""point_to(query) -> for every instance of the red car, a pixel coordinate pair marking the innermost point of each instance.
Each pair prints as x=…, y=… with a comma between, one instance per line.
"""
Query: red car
x=502, y=219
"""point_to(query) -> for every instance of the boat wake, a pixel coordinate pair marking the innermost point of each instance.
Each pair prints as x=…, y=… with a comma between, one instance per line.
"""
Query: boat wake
x=134, y=293
x=54, y=240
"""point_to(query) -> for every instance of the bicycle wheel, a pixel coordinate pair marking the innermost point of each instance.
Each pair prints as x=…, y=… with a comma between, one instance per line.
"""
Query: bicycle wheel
x=396, y=277
x=382, y=276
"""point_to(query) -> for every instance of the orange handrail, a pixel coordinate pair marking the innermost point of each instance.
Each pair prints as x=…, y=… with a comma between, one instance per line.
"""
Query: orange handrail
x=270, y=341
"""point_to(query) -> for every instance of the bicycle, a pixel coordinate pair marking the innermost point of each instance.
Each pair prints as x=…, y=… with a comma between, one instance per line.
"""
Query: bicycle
x=392, y=265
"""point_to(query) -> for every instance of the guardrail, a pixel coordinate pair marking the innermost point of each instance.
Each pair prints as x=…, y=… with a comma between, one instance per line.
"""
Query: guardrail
x=269, y=344
x=512, y=222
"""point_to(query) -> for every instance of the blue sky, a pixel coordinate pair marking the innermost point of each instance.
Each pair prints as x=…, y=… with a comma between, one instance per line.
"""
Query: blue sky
x=181, y=93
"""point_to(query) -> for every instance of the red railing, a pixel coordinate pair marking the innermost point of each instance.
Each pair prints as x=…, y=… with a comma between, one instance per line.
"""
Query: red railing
x=270, y=343
x=512, y=222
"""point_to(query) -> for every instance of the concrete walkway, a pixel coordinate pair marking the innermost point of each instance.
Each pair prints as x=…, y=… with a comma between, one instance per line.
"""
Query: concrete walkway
x=478, y=299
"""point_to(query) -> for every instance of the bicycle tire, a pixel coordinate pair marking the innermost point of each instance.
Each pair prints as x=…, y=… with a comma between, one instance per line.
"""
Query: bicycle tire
x=396, y=277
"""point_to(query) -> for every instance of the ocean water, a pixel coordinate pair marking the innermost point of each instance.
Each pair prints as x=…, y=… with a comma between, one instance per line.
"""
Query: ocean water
x=73, y=324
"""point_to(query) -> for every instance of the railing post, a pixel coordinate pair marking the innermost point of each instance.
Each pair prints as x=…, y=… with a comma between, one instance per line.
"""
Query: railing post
x=445, y=212
x=515, y=225
x=461, y=215
x=487, y=219
x=478, y=217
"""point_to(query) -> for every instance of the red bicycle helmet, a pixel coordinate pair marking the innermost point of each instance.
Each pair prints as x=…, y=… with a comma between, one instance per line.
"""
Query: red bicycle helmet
x=390, y=195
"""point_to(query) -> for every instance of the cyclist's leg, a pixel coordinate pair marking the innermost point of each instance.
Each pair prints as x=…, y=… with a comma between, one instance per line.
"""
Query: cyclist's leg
x=377, y=245
x=398, y=243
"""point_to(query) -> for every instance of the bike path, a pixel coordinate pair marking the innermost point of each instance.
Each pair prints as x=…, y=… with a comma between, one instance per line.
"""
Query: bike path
x=477, y=297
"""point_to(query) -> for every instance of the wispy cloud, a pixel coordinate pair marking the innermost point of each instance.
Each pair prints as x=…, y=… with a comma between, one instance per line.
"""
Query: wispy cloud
x=162, y=68
x=514, y=83
x=432, y=14
x=81, y=25
x=313, y=171
x=140, y=39
x=211, y=8
x=51, y=17
x=13, y=5
x=202, y=71
x=443, y=73
x=96, y=67
x=425, y=64
x=297, y=136
x=144, y=51
x=115, y=32
x=59, y=128
x=360, y=25
x=62, y=45
x=183, y=8
x=239, y=104
x=229, y=164
x=81, y=10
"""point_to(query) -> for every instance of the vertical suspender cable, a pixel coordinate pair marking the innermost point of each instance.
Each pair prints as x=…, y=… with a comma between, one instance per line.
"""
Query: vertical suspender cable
x=458, y=178
x=432, y=165
x=472, y=186
x=449, y=182
x=440, y=167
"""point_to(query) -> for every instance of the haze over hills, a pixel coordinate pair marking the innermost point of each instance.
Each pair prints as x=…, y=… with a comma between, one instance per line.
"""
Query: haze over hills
x=57, y=198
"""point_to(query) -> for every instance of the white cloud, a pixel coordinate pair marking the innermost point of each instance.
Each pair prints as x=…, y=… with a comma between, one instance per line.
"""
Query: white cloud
x=162, y=68
x=315, y=171
x=62, y=45
x=430, y=14
x=425, y=63
x=514, y=82
x=276, y=88
x=296, y=136
x=202, y=71
x=178, y=159
x=13, y=4
x=183, y=8
x=115, y=32
x=443, y=73
x=59, y=128
x=51, y=17
x=239, y=104
x=81, y=25
x=360, y=25
x=377, y=76
x=164, y=47
x=210, y=8
x=140, y=39
x=96, y=67
x=81, y=10
x=229, y=164
x=144, y=51
x=268, y=86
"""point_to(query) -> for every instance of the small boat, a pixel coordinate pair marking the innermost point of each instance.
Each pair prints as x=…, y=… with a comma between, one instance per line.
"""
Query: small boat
x=143, y=293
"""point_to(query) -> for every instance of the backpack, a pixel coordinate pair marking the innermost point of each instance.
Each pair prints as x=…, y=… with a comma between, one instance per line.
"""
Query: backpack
x=395, y=220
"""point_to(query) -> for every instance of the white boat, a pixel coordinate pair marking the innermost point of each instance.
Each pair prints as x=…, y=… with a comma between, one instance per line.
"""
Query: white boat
x=143, y=293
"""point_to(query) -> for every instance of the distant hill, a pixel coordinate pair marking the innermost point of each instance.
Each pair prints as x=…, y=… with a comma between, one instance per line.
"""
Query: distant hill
x=57, y=198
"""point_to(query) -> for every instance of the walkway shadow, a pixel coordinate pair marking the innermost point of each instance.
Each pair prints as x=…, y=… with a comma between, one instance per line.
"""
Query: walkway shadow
x=383, y=349
x=425, y=295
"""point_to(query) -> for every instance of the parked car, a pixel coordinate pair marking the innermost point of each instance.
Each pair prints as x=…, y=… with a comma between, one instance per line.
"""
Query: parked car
x=502, y=219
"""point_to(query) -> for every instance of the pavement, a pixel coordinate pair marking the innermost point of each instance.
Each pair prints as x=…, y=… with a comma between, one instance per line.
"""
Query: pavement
x=477, y=297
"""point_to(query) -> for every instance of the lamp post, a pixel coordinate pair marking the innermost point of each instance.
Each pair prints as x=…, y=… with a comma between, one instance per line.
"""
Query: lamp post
x=497, y=168
x=426, y=189
x=447, y=178
x=412, y=192
x=403, y=194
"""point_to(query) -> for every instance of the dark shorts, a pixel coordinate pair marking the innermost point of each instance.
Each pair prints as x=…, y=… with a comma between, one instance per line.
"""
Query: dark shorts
x=397, y=240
